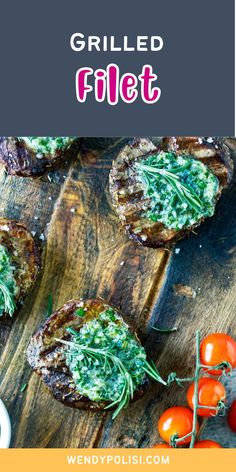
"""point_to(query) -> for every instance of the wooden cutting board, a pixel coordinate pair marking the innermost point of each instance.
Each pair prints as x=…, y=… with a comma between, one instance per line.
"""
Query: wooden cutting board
x=87, y=254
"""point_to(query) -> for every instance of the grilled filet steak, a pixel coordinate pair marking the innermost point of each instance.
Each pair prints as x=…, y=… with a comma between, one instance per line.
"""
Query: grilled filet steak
x=24, y=255
x=127, y=191
x=19, y=159
x=47, y=356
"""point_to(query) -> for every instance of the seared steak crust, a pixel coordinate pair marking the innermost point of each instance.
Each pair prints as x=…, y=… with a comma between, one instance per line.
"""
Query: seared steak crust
x=127, y=193
x=47, y=356
x=24, y=254
x=22, y=161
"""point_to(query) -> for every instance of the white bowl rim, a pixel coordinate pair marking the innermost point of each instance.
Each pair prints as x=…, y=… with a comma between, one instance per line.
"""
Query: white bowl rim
x=5, y=427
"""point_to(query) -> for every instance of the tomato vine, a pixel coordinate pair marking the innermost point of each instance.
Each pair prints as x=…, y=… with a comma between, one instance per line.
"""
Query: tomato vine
x=226, y=369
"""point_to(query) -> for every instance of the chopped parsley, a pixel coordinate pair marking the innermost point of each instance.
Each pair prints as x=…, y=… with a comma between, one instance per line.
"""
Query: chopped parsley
x=80, y=312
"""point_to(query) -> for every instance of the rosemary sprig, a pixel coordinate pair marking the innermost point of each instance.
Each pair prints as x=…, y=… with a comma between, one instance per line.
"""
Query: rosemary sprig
x=8, y=299
x=165, y=330
x=50, y=305
x=108, y=359
x=185, y=193
x=23, y=388
x=151, y=370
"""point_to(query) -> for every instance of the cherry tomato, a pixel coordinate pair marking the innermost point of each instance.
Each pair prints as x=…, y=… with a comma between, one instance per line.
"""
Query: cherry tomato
x=232, y=416
x=177, y=420
x=207, y=443
x=216, y=348
x=210, y=392
x=161, y=446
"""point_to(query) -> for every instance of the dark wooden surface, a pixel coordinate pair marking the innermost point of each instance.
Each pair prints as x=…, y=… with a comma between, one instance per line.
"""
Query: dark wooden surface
x=87, y=254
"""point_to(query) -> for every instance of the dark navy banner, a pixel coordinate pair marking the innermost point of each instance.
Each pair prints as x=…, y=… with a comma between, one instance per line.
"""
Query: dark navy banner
x=104, y=68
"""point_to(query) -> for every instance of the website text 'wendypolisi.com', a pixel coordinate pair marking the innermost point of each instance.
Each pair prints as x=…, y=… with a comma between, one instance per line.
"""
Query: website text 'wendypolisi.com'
x=117, y=459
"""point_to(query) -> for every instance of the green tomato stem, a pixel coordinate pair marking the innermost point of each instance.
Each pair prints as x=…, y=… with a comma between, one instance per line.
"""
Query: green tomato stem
x=182, y=438
x=195, y=397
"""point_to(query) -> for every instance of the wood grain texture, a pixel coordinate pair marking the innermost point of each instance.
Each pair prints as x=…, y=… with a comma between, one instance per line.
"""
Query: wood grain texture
x=87, y=254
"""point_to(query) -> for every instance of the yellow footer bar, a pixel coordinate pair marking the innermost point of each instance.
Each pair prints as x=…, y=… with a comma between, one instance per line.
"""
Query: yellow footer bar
x=44, y=460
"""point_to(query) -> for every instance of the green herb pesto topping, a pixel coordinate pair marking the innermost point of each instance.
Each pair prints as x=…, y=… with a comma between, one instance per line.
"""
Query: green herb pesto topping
x=106, y=360
x=47, y=145
x=8, y=287
x=181, y=189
